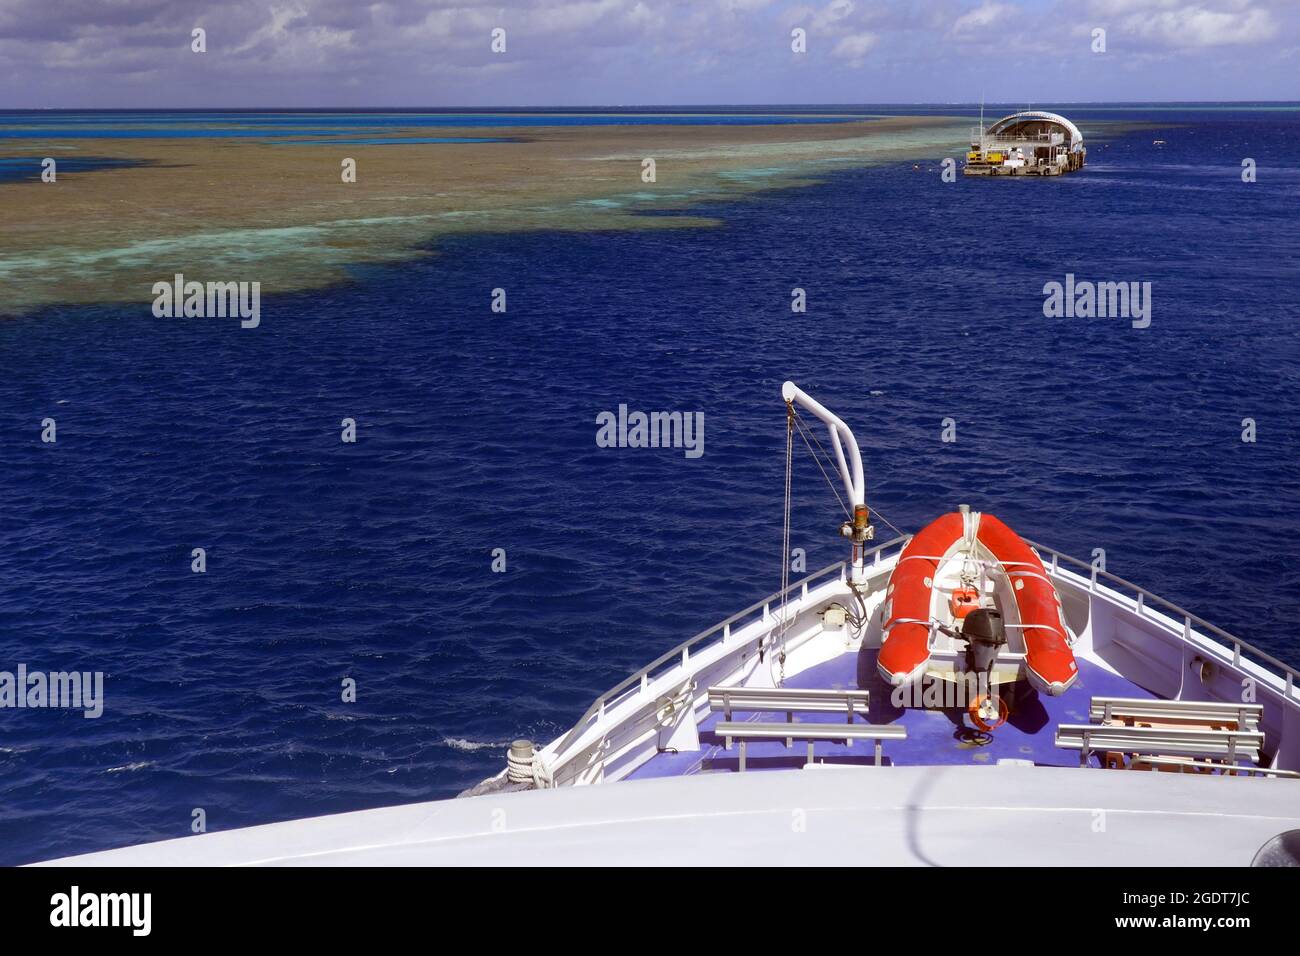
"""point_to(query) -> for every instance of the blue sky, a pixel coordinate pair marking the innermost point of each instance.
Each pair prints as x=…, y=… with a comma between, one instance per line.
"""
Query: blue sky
x=304, y=53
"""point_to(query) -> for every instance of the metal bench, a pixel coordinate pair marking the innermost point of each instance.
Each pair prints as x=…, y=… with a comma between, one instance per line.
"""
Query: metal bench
x=1106, y=709
x=1229, y=745
x=744, y=732
x=1186, y=764
x=787, y=699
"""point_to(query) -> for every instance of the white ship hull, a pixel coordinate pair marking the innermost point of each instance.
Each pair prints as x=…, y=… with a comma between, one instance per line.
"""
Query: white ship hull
x=858, y=816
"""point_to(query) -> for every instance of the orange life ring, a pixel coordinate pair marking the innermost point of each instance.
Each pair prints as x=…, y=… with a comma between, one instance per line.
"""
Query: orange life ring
x=979, y=720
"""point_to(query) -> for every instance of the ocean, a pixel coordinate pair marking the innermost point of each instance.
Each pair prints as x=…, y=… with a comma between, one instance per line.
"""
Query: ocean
x=372, y=561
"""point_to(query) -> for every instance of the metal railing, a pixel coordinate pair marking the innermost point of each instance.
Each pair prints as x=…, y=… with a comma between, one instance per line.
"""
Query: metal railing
x=1041, y=139
x=641, y=679
x=1143, y=597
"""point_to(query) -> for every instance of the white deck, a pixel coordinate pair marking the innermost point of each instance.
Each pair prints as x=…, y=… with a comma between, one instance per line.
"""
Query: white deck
x=923, y=816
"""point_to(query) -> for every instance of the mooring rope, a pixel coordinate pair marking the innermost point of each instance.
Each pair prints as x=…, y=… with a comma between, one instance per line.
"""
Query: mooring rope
x=805, y=433
x=785, y=530
x=533, y=770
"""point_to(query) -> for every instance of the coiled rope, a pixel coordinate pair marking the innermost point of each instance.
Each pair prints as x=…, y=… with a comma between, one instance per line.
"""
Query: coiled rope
x=532, y=769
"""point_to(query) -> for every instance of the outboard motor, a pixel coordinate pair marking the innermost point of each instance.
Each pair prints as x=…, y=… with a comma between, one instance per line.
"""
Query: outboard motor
x=986, y=636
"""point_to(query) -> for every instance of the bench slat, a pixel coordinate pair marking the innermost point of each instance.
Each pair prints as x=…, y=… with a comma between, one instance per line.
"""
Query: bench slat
x=1159, y=741
x=1192, y=764
x=789, y=700
x=1164, y=748
x=812, y=731
x=784, y=694
x=1247, y=716
x=790, y=691
x=1189, y=734
x=744, y=731
x=753, y=704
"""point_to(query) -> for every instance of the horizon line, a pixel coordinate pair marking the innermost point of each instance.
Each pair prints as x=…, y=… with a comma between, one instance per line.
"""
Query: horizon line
x=640, y=106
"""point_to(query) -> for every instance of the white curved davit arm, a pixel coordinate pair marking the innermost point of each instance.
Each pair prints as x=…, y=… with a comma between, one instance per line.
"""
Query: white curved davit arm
x=841, y=435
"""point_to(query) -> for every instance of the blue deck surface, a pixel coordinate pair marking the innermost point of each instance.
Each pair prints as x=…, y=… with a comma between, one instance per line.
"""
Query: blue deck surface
x=933, y=736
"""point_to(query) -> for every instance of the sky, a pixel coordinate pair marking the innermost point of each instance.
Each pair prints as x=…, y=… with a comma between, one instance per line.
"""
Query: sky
x=414, y=53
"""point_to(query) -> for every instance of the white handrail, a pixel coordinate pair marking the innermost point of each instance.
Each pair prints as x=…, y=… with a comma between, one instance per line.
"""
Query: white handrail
x=1188, y=618
x=616, y=694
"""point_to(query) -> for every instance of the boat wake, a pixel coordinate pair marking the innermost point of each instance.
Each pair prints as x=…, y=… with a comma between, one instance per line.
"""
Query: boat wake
x=471, y=746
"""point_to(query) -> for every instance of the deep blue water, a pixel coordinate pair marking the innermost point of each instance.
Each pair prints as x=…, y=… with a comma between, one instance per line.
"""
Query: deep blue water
x=26, y=168
x=476, y=431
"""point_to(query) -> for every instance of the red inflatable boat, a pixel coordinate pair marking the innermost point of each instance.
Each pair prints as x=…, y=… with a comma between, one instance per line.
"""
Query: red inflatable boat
x=905, y=651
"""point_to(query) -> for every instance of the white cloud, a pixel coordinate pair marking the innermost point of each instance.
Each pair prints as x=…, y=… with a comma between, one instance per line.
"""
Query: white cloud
x=982, y=16
x=127, y=52
x=274, y=30
x=855, y=47
x=835, y=11
x=1196, y=26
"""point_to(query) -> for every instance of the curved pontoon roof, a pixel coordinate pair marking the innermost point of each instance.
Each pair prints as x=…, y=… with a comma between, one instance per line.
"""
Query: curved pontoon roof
x=1009, y=124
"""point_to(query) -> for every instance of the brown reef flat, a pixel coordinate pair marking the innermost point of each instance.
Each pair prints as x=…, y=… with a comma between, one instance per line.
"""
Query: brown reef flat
x=275, y=212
